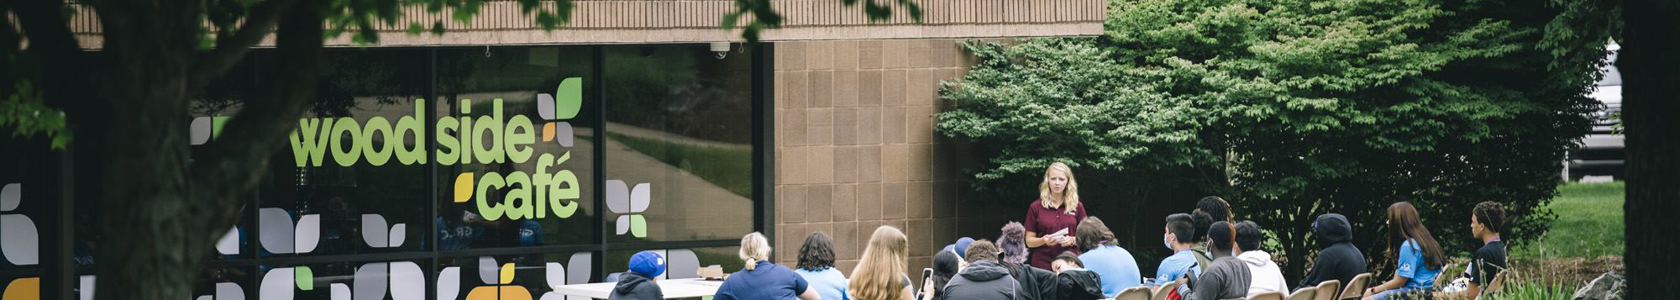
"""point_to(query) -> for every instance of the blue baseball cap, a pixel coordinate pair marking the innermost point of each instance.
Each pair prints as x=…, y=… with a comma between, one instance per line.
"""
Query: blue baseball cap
x=647, y=263
x=960, y=247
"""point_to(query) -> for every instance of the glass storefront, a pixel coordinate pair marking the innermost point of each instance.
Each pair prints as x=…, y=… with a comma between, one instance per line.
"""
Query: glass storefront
x=474, y=173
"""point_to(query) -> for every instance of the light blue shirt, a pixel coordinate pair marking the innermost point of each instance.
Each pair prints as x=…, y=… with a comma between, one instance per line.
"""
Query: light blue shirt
x=1119, y=271
x=1176, y=266
x=828, y=282
x=1415, y=267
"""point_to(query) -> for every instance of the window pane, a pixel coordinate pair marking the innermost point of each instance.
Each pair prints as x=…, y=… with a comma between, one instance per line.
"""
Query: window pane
x=353, y=177
x=679, y=151
x=515, y=160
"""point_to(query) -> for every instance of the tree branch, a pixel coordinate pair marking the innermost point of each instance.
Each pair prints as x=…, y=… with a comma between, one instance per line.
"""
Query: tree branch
x=238, y=159
x=230, y=51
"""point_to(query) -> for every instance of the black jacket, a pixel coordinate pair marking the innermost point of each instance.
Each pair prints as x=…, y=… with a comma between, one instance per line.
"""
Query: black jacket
x=983, y=280
x=1078, y=284
x=1033, y=283
x=632, y=286
x=1339, y=260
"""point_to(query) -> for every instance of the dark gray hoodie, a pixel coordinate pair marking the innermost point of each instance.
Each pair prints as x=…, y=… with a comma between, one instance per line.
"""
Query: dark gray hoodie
x=1339, y=260
x=1225, y=278
x=982, y=280
x=632, y=286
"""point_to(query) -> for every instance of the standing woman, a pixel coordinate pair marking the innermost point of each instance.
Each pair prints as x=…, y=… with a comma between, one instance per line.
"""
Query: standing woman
x=880, y=275
x=1419, y=258
x=1056, y=209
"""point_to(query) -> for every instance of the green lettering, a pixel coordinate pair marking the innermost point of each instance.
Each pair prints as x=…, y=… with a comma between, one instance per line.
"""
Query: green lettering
x=447, y=152
x=518, y=198
x=490, y=182
x=466, y=132
x=489, y=125
x=380, y=128
x=309, y=142
x=519, y=135
x=411, y=152
x=346, y=157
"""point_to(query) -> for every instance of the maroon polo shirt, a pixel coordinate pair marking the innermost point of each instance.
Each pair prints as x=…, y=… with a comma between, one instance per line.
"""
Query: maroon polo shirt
x=1044, y=221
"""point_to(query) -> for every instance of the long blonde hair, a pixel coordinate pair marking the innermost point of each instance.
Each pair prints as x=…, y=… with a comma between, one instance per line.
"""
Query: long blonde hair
x=879, y=275
x=754, y=248
x=1070, y=195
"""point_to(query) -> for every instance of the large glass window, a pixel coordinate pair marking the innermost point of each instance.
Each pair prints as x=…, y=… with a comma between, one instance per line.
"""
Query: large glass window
x=446, y=173
x=679, y=143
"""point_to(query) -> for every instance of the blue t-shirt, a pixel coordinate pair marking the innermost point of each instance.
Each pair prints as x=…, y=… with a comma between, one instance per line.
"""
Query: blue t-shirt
x=1415, y=268
x=1176, y=266
x=830, y=284
x=1116, y=267
x=767, y=281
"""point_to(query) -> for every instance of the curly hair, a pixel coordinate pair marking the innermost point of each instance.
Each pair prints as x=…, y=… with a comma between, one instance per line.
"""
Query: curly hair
x=817, y=253
x=1014, y=244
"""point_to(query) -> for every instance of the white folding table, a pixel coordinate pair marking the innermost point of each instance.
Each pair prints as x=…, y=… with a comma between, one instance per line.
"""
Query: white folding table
x=672, y=288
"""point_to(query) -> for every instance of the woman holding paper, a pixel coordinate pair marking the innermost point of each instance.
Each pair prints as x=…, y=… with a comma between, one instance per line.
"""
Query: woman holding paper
x=1053, y=218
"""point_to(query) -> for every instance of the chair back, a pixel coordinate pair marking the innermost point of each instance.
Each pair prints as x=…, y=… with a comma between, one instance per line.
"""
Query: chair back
x=1165, y=289
x=1355, y=287
x=1304, y=294
x=1327, y=289
x=1267, y=296
x=1134, y=293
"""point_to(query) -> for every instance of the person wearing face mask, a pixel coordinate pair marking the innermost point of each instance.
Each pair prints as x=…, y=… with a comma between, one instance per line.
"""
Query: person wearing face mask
x=1226, y=277
x=1052, y=220
x=1182, y=264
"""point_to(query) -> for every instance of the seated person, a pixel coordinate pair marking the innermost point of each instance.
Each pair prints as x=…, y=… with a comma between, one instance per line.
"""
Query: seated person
x=1178, y=237
x=1339, y=260
x=1487, y=220
x=1103, y=255
x=1073, y=281
x=1225, y=277
x=638, y=283
x=1265, y=276
x=983, y=278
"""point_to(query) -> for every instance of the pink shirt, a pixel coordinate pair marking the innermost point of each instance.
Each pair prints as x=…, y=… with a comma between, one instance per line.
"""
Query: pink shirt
x=1044, y=221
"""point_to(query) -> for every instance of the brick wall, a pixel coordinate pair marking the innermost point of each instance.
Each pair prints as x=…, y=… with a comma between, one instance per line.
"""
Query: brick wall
x=855, y=145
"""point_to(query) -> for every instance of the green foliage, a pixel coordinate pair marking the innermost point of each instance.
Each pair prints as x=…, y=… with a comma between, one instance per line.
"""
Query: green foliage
x=765, y=17
x=1308, y=107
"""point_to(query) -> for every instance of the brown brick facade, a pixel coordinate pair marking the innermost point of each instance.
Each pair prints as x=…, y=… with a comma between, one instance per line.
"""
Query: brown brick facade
x=856, y=148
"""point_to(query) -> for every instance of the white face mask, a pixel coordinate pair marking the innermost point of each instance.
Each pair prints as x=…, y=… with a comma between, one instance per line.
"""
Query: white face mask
x=1167, y=240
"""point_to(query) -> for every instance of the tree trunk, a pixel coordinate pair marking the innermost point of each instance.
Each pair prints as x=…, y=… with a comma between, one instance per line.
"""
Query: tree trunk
x=1651, y=113
x=163, y=207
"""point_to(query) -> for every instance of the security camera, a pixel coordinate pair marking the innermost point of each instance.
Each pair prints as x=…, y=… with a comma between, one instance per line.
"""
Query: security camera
x=720, y=49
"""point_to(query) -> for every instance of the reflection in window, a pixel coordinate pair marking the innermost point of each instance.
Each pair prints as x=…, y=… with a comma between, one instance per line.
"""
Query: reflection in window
x=533, y=184
x=679, y=151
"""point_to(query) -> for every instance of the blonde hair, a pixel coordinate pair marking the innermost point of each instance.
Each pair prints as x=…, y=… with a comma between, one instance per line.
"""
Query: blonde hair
x=754, y=248
x=1070, y=195
x=879, y=275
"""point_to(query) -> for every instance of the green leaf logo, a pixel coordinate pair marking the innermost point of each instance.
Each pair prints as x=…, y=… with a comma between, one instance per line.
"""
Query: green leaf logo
x=565, y=103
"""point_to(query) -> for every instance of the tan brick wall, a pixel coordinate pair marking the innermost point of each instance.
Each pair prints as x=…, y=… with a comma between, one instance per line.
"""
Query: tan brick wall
x=856, y=148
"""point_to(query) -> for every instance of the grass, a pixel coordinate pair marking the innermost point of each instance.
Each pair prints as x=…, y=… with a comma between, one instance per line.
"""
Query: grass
x=1588, y=225
x=730, y=169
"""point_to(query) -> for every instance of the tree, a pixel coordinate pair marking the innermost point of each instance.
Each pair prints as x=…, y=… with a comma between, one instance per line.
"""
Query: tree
x=127, y=104
x=1650, y=69
x=1307, y=107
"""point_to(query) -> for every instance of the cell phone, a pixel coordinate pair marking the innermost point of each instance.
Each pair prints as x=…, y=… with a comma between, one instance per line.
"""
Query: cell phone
x=927, y=274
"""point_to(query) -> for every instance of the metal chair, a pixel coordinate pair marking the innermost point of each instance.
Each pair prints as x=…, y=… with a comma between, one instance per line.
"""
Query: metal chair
x=1304, y=294
x=1355, y=287
x=1327, y=289
x=1134, y=293
x=1166, y=289
x=1267, y=296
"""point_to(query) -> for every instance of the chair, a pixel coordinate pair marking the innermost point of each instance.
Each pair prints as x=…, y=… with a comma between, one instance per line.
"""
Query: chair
x=1267, y=296
x=1304, y=294
x=1165, y=289
x=1327, y=289
x=1355, y=287
x=1493, y=286
x=1134, y=293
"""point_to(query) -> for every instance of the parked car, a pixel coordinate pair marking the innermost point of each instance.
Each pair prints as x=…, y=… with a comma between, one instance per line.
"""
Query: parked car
x=1601, y=152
